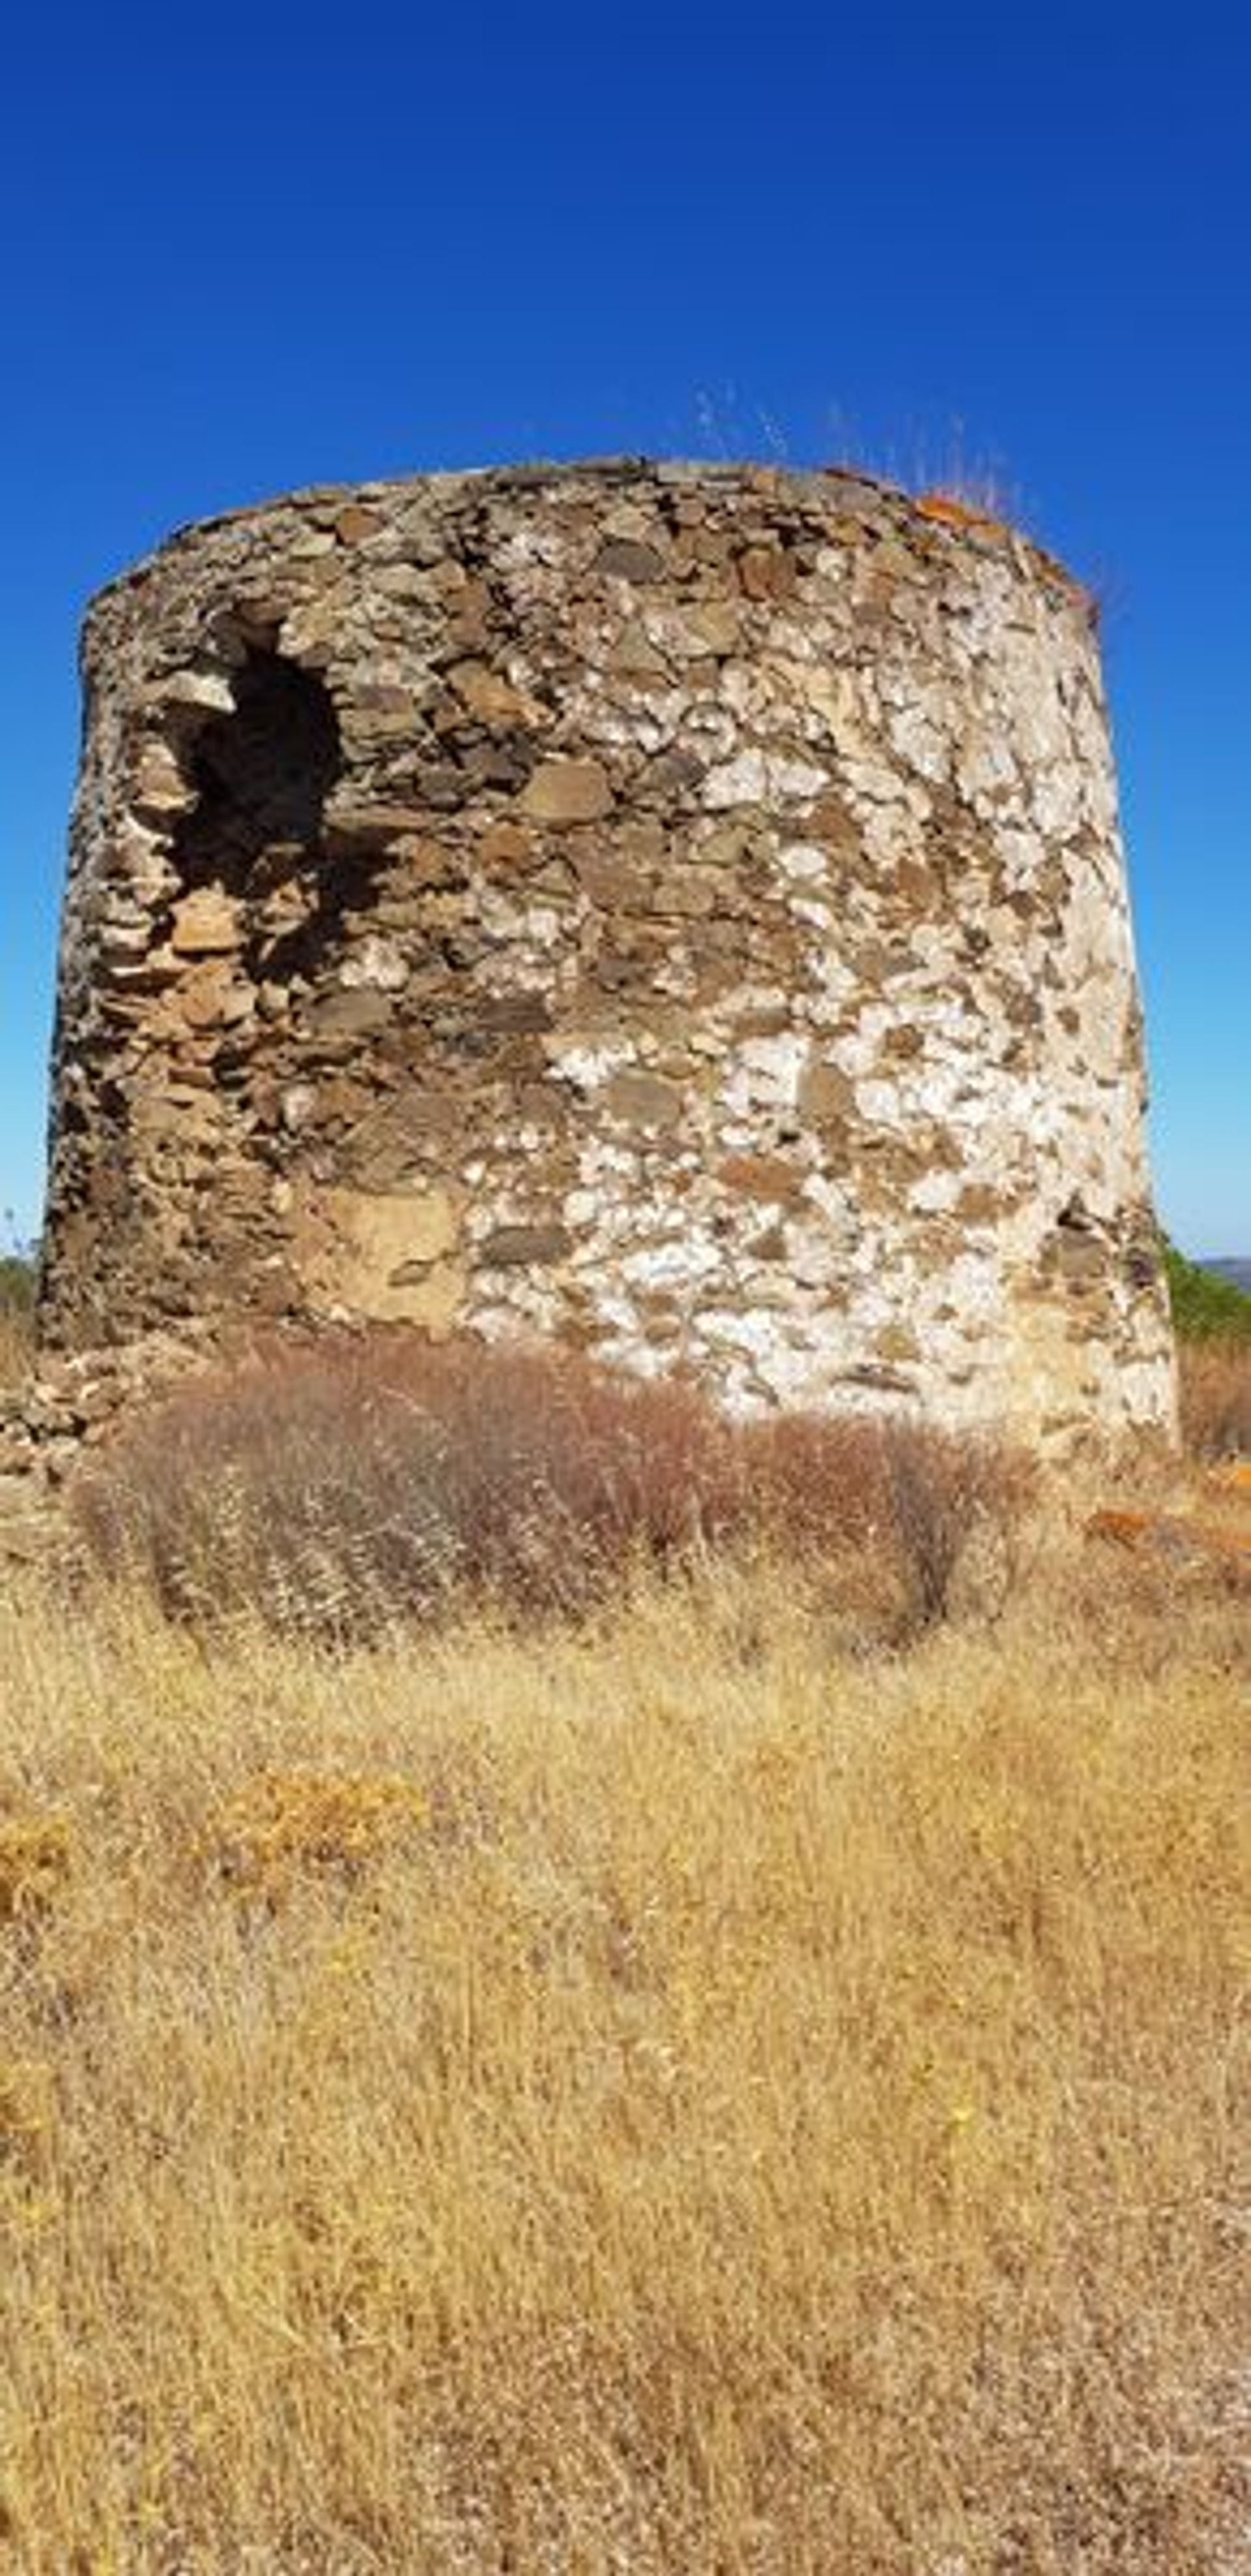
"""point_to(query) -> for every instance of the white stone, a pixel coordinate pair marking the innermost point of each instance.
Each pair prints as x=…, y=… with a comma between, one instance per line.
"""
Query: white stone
x=375, y=964
x=587, y=1064
x=208, y=689
x=298, y=1104
x=744, y=781
x=804, y=862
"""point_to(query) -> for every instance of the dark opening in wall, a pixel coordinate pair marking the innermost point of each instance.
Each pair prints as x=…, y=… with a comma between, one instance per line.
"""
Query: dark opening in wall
x=262, y=774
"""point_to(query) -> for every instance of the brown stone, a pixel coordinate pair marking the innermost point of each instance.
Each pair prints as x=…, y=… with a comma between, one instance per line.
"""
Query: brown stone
x=826, y=1092
x=1080, y=1261
x=672, y=774
x=430, y=1298
x=205, y=923
x=832, y=823
x=724, y=847
x=770, y=1245
x=374, y=1252
x=516, y=1246
x=567, y=791
x=381, y=821
x=353, y=1014
x=902, y=1045
x=917, y=886
x=761, y=1176
x=626, y=560
x=382, y=711
x=978, y=1204
x=708, y=629
x=689, y=894
x=637, y=657
x=505, y=845
x=643, y=1100
x=767, y=572
x=613, y=882
x=425, y=866
x=384, y=1148
x=339, y=1097
x=641, y=838
x=493, y=699
x=210, y=996
x=354, y=523
x=518, y=1011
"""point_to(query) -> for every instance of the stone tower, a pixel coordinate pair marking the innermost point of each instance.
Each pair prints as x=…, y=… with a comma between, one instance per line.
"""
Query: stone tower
x=677, y=909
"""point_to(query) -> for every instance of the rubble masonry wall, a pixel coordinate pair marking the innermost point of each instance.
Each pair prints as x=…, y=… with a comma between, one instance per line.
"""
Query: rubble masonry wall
x=676, y=909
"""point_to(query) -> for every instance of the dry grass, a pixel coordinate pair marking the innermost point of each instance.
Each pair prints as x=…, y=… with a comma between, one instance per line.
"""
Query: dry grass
x=1216, y=1396
x=17, y=1343
x=656, y=2097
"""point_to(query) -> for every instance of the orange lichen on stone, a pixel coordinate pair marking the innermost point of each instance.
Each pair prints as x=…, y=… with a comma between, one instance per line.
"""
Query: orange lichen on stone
x=952, y=513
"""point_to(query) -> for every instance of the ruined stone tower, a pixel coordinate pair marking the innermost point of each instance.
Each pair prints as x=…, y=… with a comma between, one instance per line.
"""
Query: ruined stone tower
x=678, y=909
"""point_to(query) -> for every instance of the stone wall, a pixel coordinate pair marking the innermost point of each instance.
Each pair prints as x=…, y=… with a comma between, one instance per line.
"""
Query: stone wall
x=676, y=908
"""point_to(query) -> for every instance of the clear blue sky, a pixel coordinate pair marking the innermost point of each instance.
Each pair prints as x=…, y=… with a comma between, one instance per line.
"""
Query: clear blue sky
x=247, y=249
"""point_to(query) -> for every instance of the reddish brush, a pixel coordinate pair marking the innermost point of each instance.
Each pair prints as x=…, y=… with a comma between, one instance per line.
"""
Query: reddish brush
x=1216, y=1396
x=336, y=1486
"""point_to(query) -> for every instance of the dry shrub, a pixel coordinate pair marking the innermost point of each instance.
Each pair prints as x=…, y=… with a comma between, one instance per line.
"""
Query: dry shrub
x=35, y=1854
x=340, y=1484
x=911, y=1503
x=26, y=2109
x=1216, y=1397
x=335, y=1487
x=284, y=1823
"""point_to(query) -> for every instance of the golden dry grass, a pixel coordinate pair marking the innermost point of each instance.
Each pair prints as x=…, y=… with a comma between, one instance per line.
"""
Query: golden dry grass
x=17, y=1342
x=665, y=2098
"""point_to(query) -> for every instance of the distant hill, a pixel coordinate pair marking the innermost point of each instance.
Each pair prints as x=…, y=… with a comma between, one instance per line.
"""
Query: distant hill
x=1237, y=1270
x=1208, y=1297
